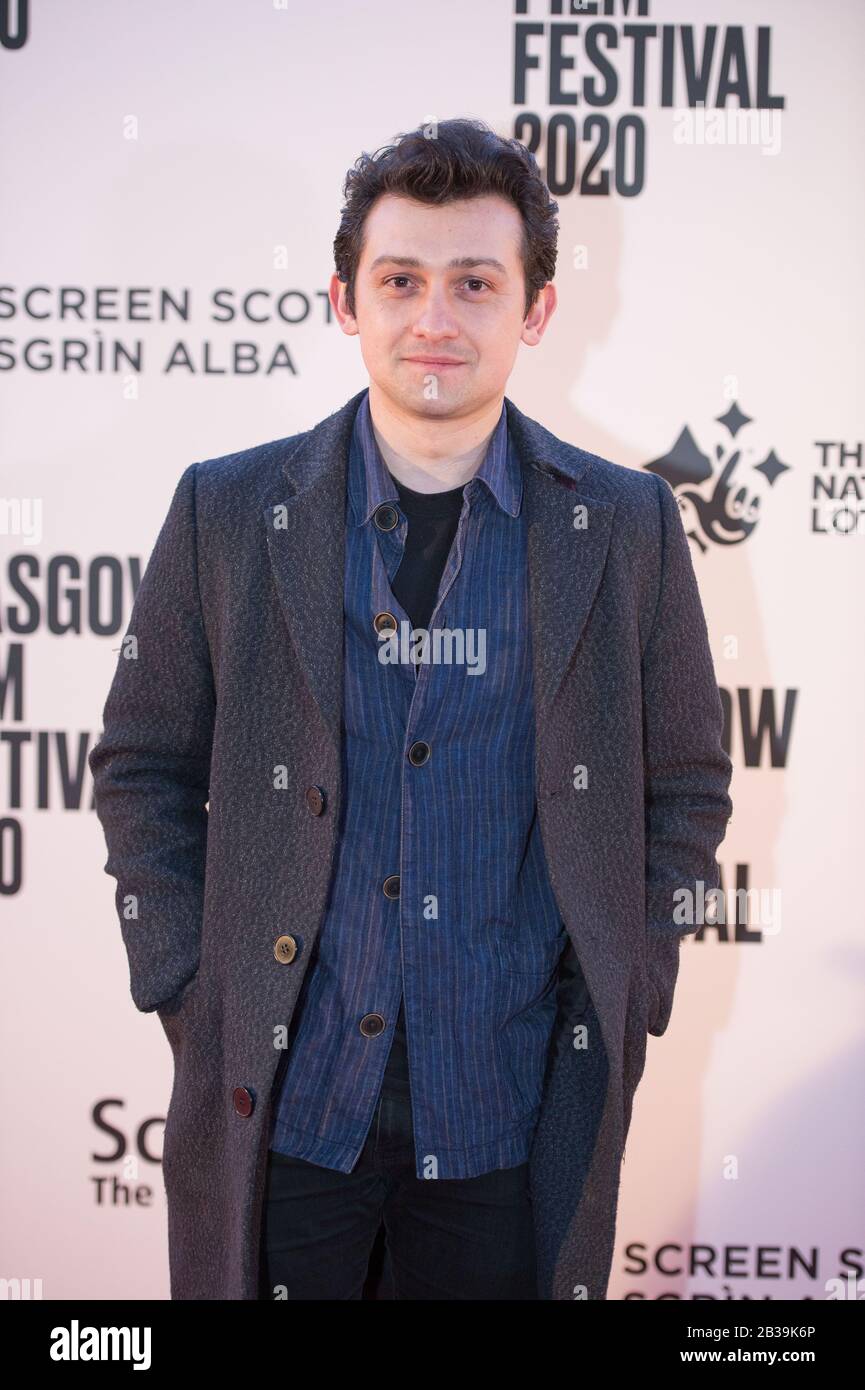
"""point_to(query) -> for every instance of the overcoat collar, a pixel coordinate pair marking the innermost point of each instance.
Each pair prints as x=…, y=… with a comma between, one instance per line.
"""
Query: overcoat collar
x=306, y=539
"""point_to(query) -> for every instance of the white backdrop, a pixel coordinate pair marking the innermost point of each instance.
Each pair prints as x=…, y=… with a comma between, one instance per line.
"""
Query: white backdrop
x=186, y=150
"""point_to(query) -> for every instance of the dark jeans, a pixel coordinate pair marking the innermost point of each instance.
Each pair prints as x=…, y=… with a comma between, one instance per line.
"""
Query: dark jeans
x=456, y=1238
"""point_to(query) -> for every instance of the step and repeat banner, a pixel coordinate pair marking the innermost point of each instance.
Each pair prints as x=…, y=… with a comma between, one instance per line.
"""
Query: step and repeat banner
x=173, y=178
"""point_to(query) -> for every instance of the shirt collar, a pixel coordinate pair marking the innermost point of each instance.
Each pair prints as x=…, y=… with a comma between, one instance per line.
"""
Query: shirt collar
x=370, y=483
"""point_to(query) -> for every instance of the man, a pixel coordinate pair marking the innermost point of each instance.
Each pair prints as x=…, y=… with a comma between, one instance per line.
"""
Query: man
x=417, y=739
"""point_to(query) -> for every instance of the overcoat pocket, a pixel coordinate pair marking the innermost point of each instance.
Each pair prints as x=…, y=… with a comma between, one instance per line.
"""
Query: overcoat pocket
x=174, y=1011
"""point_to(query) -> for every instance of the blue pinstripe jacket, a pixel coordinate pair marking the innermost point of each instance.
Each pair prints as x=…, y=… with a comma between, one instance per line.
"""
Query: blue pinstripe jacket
x=440, y=885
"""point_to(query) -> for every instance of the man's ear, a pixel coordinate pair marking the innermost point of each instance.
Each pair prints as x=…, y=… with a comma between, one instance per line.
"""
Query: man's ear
x=338, y=296
x=537, y=319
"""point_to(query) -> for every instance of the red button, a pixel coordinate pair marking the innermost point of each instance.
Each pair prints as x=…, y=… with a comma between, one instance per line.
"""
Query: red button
x=243, y=1102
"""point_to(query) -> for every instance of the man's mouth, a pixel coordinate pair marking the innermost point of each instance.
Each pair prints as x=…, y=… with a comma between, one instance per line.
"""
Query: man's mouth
x=437, y=361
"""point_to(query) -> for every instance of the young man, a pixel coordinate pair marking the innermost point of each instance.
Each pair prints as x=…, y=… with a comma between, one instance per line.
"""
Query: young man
x=418, y=738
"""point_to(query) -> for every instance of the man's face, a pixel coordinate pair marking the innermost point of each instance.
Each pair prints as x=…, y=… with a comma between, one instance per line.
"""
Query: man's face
x=440, y=302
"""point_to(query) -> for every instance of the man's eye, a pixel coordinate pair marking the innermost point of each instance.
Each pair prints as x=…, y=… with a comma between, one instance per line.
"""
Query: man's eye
x=472, y=280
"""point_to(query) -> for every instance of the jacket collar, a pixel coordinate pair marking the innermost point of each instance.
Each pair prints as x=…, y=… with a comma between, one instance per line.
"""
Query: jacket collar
x=371, y=484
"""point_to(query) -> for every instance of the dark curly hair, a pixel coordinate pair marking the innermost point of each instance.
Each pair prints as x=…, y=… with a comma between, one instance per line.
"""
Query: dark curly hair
x=461, y=159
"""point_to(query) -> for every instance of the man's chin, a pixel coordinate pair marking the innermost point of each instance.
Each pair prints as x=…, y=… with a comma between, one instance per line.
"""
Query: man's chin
x=432, y=395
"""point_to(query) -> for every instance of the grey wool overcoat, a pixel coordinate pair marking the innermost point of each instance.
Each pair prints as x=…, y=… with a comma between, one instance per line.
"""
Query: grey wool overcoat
x=217, y=781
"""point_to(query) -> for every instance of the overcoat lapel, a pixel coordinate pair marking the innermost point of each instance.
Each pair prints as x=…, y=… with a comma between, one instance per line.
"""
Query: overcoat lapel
x=306, y=539
x=565, y=562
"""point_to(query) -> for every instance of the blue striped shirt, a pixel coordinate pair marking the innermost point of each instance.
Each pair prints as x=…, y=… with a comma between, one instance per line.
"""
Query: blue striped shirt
x=440, y=892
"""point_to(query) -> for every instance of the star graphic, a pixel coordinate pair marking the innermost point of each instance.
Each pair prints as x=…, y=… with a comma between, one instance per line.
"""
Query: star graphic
x=734, y=419
x=771, y=467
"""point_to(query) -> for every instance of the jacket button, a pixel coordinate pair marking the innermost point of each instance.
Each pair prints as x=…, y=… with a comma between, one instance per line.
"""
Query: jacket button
x=243, y=1102
x=419, y=753
x=371, y=1025
x=315, y=800
x=285, y=949
x=384, y=622
x=386, y=517
x=390, y=887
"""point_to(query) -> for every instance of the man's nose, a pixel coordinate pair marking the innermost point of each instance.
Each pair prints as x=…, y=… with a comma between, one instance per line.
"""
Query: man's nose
x=434, y=315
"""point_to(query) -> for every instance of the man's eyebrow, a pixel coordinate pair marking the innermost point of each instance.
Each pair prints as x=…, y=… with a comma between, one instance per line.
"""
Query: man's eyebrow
x=458, y=263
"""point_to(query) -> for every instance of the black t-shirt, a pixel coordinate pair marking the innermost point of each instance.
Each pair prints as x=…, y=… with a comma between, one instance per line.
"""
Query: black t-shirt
x=432, y=524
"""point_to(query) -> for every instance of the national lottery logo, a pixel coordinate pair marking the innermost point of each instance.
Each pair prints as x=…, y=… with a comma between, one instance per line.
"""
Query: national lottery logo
x=722, y=490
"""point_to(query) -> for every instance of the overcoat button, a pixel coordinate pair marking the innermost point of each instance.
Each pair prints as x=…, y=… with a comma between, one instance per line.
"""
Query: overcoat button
x=285, y=949
x=390, y=887
x=386, y=517
x=243, y=1102
x=419, y=753
x=384, y=622
x=315, y=800
x=371, y=1025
